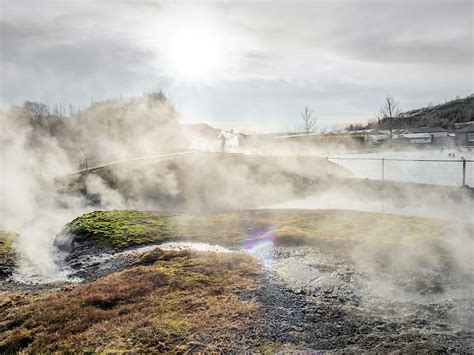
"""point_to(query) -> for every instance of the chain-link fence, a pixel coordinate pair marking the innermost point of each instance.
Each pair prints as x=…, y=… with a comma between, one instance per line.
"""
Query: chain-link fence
x=422, y=171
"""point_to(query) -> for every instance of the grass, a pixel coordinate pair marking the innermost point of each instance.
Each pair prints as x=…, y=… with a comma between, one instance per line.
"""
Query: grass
x=121, y=229
x=166, y=302
x=6, y=242
x=179, y=301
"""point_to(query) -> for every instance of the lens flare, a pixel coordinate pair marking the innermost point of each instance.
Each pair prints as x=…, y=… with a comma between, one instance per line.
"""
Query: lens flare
x=260, y=243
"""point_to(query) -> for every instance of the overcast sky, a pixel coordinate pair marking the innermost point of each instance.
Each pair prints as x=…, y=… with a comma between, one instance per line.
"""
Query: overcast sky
x=240, y=64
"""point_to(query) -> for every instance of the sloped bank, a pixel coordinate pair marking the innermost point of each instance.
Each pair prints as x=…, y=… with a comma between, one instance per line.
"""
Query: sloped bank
x=202, y=181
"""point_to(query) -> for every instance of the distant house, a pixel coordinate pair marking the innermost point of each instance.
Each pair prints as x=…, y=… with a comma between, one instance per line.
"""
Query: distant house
x=418, y=138
x=465, y=136
x=397, y=133
x=434, y=132
x=377, y=137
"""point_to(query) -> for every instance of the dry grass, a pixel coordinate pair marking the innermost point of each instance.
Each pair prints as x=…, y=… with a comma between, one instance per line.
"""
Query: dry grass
x=166, y=302
x=313, y=226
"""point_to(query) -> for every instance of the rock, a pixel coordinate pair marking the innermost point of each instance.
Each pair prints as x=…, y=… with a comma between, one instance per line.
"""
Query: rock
x=5, y=271
x=7, y=265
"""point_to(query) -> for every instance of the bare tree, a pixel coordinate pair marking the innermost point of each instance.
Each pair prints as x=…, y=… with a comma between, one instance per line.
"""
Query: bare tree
x=389, y=110
x=308, y=120
x=35, y=109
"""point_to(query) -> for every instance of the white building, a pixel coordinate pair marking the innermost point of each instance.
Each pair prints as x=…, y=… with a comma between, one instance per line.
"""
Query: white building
x=434, y=132
x=418, y=138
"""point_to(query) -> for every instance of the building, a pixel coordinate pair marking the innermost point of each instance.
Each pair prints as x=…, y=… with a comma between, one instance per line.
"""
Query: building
x=418, y=138
x=377, y=137
x=434, y=132
x=465, y=136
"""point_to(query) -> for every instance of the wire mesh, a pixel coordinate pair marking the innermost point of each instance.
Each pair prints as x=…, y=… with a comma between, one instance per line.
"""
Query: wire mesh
x=421, y=171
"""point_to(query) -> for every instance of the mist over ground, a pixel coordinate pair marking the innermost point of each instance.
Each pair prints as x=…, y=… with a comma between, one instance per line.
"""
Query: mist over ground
x=278, y=196
x=45, y=181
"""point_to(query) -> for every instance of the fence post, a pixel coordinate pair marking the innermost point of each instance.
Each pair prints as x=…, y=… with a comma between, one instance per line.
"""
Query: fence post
x=86, y=164
x=383, y=169
x=464, y=172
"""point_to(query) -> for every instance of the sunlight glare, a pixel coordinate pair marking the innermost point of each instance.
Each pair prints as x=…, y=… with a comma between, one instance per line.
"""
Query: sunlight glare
x=196, y=53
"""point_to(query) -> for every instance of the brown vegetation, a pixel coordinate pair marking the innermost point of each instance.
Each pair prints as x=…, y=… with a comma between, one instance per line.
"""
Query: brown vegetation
x=167, y=301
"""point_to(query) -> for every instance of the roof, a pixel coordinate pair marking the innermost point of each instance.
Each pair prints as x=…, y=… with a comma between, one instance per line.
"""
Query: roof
x=416, y=135
x=469, y=128
x=298, y=135
x=426, y=130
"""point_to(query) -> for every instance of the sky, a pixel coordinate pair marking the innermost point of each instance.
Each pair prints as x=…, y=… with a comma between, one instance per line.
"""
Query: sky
x=251, y=66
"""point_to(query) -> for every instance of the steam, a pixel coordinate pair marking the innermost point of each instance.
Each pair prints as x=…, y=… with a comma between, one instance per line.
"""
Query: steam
x=37, y=149
x=41, y=189
x=30, y=204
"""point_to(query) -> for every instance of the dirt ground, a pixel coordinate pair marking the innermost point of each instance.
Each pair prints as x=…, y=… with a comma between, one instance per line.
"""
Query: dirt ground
x=320, y=301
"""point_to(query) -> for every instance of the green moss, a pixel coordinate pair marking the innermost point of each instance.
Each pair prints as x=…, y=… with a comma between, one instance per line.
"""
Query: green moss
x=6, y=242
x=121, y=229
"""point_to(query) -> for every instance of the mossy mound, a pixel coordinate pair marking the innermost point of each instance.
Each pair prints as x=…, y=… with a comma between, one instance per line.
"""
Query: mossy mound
x=122, y=229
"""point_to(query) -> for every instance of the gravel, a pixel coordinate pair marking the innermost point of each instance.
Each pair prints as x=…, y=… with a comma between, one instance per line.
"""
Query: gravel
x=315, y=301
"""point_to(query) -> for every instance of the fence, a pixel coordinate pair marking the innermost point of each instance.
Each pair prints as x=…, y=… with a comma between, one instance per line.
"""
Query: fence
x=422, y=171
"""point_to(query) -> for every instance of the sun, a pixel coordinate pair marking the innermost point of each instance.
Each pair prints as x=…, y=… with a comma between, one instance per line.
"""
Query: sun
x=195, y=52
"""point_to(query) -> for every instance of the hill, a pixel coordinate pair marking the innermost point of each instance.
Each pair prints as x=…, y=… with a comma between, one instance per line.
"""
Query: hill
x=449, y=115
x=202, y=181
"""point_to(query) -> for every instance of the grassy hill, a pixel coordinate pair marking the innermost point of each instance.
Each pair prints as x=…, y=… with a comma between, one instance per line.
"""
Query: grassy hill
x=207, y=181
x=445, y=115
x=122, y=229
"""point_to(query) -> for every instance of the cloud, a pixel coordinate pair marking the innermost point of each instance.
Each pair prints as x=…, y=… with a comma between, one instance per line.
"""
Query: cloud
x=319, y=51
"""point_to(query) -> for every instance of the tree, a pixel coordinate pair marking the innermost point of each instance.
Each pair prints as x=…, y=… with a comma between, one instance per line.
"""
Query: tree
x=156, y=97
x=389, y=110
x=36, y=110
x=308, y=121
